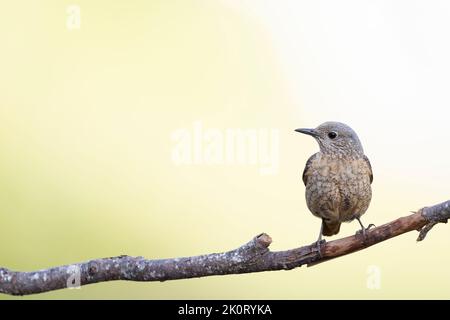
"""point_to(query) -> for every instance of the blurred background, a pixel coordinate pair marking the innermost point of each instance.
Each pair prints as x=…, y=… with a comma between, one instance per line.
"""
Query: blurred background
x=93, y=92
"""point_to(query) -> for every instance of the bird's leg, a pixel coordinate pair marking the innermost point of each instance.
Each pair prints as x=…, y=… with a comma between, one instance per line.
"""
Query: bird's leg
x=363, y=229
x=320, y=240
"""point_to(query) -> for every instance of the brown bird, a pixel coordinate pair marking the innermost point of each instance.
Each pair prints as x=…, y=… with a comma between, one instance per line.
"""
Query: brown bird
x=338, y=178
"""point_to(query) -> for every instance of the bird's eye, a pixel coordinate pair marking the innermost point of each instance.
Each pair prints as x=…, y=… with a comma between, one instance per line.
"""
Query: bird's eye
x=332, y=135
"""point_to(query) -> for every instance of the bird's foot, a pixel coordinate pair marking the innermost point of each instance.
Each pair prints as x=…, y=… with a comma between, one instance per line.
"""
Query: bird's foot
x=364, y=231
x=319, y=244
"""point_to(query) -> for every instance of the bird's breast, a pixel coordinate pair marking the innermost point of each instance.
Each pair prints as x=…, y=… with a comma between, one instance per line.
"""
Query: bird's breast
x=340, y=170
x=338, y=187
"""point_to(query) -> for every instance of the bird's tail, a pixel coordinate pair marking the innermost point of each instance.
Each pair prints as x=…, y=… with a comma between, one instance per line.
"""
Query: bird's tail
x=330, y=228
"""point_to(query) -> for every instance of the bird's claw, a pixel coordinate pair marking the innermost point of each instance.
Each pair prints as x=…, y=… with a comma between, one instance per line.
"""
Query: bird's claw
x=363, y=230
x=319, y=244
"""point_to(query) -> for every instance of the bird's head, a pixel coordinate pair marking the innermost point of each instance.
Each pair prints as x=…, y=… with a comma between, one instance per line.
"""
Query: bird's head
x=335, y=138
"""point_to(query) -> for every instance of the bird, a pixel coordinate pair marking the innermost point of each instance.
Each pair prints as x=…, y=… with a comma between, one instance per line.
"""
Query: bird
x=337, y=179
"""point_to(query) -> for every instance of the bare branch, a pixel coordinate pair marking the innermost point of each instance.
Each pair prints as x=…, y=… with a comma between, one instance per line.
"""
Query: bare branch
x=253, y=256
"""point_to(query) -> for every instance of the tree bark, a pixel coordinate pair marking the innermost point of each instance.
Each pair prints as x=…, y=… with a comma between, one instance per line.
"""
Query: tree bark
x=253, y=256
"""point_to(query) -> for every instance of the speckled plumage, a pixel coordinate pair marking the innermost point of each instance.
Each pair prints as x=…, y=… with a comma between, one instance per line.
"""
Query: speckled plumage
x=338, y=178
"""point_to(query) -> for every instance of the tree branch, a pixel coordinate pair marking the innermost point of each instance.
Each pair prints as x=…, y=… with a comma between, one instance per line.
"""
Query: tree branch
x=253, y=256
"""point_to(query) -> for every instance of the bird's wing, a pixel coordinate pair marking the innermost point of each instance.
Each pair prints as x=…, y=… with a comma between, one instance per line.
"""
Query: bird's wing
x=307, y=170
x=370, y=168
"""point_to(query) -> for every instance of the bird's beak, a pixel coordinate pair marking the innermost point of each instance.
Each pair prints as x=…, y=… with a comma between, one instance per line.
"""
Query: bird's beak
x=310, y=132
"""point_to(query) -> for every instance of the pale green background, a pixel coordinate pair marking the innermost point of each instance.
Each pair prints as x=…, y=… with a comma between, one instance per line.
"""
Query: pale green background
x=86, y=118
